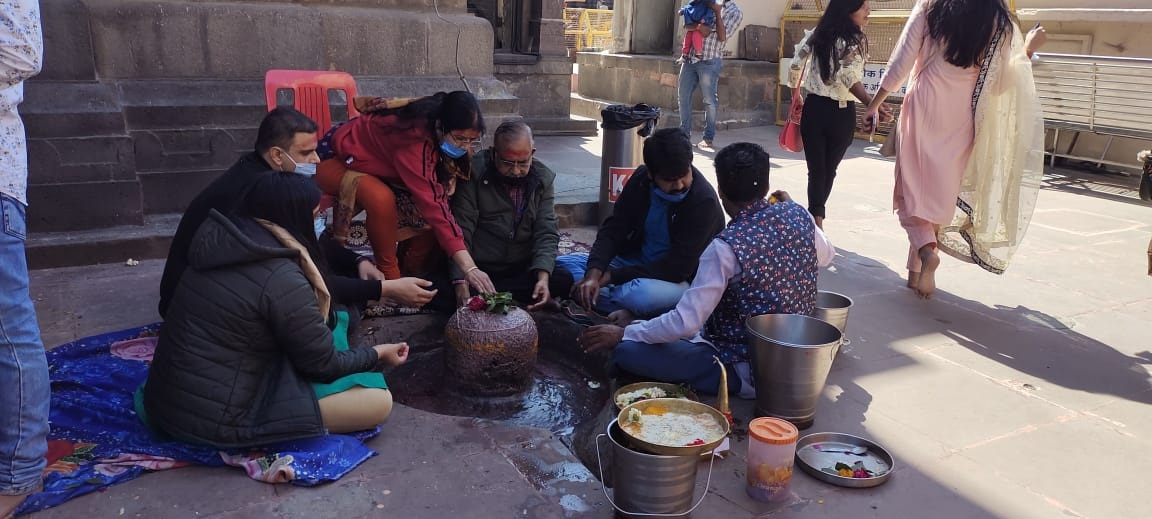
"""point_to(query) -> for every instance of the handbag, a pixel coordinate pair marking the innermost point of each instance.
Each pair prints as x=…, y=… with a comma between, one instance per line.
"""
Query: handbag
x=790, y=139
x=892, y=142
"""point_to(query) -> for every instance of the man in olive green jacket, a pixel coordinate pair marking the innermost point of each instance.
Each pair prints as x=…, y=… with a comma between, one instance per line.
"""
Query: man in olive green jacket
x=507, y=213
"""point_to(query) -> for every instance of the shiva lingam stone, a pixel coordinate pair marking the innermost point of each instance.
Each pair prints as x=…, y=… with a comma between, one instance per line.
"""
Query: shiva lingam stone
x=490, y=353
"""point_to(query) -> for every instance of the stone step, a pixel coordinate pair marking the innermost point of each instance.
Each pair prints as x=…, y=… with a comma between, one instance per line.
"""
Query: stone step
x=120, y=243
x=562, y=126
x=106, y=245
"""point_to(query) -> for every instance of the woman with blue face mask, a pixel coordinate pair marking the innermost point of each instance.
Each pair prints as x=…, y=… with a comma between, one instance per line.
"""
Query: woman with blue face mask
x=399, y=161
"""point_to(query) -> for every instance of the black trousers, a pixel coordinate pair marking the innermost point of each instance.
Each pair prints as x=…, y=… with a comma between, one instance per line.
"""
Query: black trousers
x=518, y=280
x=827, y=131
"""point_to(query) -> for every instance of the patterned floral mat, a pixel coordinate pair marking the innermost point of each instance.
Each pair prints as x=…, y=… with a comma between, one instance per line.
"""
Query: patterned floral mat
x=97, y=440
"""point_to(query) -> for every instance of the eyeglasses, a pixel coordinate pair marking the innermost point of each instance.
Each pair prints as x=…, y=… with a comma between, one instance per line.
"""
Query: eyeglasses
x=465, y=142
x=517, y=164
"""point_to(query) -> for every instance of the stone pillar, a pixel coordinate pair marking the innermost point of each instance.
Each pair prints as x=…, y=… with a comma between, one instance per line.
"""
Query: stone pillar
x=142, y=103
x=644, y=26
x=543, y=81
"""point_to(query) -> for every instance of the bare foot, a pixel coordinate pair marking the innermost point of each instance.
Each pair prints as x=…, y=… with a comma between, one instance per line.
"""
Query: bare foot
x=9, y=504
x=927, y=283
x=913, y=279
x=621, y=317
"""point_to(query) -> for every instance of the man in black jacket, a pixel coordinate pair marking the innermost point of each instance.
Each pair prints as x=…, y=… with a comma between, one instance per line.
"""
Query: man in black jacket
x=286, y=141
x=648, y=250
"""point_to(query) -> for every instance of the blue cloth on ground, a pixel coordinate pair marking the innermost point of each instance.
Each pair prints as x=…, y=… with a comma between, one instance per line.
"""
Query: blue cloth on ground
x=97, y=440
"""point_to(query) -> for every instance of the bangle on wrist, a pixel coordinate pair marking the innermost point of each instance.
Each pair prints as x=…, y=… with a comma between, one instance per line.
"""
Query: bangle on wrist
x=459, y=281
x=469, y=271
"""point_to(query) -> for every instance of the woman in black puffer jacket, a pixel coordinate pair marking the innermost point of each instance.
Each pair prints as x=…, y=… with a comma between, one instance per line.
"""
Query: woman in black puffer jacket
x=247, y=333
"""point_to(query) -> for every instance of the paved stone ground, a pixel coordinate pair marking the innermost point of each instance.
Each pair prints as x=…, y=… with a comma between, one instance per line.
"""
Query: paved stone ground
x=1016, y=396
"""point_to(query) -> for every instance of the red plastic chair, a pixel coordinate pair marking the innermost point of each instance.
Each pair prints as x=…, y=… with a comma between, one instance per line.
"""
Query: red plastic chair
x=310, y=92
x=310, y=96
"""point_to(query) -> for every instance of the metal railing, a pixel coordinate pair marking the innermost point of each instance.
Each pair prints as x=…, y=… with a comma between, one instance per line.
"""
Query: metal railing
x=1106, y=95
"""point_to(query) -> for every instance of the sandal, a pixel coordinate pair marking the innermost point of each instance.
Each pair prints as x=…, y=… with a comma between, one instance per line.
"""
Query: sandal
x=578, y=315
x=575, y=314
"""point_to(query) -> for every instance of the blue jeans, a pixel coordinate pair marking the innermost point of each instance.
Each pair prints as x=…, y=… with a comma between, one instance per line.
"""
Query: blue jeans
x=706, y=74
x=643, y=297
x=680, y=362
x=24, y=389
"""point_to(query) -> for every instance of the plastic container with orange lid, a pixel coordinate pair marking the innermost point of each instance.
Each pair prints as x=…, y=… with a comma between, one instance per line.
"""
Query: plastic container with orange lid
x=771, y=454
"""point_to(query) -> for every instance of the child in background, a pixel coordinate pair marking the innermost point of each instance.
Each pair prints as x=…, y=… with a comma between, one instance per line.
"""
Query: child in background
x=697, y=12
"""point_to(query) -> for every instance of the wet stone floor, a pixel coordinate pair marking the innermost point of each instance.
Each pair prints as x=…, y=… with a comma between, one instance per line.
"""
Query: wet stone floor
x=562, y=394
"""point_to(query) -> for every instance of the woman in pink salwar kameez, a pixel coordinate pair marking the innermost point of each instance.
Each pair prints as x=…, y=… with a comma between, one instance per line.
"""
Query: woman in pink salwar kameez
x=970, y=149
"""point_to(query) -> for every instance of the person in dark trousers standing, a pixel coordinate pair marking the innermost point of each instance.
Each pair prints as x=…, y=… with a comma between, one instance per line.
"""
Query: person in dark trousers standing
x=831, y=60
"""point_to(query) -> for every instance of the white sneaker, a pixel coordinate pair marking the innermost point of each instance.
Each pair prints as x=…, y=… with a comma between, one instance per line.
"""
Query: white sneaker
x=705, y=146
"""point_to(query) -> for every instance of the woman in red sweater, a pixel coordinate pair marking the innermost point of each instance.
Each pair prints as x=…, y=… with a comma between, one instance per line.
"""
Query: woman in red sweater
x=399, y=161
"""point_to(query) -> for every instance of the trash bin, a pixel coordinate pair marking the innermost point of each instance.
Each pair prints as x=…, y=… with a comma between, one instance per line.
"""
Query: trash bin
x=622, y=149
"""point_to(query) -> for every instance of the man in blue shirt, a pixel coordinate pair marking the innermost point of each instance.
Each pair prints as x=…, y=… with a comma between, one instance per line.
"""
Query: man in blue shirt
x=648, y=250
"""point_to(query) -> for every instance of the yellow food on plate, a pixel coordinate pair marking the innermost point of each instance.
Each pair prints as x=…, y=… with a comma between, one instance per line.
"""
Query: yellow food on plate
x=672, y=429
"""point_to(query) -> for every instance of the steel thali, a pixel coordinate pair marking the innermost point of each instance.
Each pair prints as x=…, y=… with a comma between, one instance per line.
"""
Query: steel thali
x=818, y=453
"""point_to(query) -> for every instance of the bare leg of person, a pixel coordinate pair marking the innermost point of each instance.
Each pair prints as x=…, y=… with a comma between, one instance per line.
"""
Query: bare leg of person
x=356, y=409
x=914, y=266
x=913, y=279
x=927, y=282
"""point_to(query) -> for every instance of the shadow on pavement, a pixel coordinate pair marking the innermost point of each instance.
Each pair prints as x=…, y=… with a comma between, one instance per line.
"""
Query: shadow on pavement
x=1021, y=338
x=1105, y=186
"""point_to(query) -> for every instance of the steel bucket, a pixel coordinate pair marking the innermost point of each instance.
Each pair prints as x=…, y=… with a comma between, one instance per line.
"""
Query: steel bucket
x=791, y=357
x=649, y=485
x=833, y=308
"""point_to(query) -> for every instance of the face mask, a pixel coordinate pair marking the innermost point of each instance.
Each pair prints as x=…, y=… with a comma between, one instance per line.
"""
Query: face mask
x=306, y=169
x=452, y=150
x=319, y=225
x=669, y=197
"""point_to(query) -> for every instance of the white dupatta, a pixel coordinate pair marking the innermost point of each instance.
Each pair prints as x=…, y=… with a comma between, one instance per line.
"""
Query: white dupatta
x=1000, y=185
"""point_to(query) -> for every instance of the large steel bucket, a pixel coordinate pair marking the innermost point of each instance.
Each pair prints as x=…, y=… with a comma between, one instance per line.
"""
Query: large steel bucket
x=649, y=485
x=791, y=357
x=832, y=308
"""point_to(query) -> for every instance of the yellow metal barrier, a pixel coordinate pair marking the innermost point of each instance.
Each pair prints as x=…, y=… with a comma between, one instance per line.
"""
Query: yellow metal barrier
x=587, y=28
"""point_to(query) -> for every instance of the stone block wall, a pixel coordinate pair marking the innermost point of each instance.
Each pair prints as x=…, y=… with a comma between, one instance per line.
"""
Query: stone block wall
x=747, y=89
x=142, y=103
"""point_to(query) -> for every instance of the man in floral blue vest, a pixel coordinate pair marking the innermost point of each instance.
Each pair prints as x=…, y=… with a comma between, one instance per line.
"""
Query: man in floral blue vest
x=763, y=262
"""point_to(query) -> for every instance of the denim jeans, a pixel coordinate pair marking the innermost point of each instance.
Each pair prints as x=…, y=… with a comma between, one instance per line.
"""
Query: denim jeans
x=643, y=297
x=706, y=74
x=24, y=389
x=680, y=362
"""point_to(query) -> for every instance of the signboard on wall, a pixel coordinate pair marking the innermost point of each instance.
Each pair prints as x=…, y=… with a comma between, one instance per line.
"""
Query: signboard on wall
x=617, y=177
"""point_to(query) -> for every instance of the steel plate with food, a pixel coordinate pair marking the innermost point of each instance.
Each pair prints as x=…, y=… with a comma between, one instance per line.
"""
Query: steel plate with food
x=844, y=460
x=673, y=426
x=633, y=393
